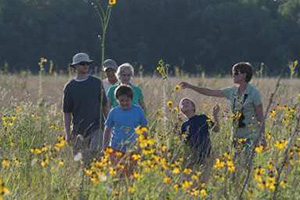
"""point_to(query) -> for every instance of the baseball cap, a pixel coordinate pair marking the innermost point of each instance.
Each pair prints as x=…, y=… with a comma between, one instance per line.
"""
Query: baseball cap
x=109, y=63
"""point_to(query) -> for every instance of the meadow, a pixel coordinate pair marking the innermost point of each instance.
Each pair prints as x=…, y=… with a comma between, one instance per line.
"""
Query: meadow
x=37, y=163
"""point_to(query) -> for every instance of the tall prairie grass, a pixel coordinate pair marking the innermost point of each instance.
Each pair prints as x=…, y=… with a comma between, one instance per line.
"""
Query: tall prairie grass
x=36, y=163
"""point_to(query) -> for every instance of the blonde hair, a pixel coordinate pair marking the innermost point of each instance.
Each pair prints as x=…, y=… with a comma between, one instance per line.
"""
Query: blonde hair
x=122, y=68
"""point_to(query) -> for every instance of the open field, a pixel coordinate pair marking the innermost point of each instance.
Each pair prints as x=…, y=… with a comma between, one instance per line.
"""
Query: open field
x=37, y=164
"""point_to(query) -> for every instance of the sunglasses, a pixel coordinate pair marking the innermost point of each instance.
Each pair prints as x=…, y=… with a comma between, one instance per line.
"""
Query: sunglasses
x=83, y=63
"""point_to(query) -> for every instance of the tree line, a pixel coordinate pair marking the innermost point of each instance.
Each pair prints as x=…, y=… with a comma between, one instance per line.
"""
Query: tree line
x=196, y=35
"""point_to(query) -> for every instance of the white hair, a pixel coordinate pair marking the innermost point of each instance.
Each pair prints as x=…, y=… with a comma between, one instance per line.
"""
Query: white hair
x=122, y=68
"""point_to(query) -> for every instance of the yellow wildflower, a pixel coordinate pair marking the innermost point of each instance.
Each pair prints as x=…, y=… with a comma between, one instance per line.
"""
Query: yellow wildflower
x=176, y=110
x=187, y=171
x=5, y=163
x=3, y=189
x=45, y=162
x=283, y=184
x=270, y=183
x=195, y=177
x=273, y=113
x=177, y=88
x=203, y=193
x=259, y=149
x=227, y=156
x=186, y=184
x=112, y=2
x=95, y=178
x=241, y=140
x=176, y=187
x=136, y=157
x=281, y=144
x=61, y=163
x=131, y=190
x=230, y=165
x=167, y=180
x=170, y=104
x=219, y=164
x=112, y=171
x=176, y=170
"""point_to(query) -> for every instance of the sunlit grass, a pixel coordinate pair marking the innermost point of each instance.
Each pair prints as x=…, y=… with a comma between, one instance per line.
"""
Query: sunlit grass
x=36, y=163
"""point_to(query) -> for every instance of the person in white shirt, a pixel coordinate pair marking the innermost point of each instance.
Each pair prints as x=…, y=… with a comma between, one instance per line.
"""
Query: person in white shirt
x=109, y=67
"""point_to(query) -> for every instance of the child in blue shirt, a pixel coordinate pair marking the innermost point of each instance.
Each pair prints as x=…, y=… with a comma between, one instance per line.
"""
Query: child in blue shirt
x=122, y=120
x=196, y=129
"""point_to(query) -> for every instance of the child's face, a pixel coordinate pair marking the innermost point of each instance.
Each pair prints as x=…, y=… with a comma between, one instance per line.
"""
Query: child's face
x=124, y=101
x=186, y=106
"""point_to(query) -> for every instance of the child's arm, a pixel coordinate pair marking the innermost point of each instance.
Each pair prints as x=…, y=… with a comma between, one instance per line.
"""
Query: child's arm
x=216, y=111
x=106, y=137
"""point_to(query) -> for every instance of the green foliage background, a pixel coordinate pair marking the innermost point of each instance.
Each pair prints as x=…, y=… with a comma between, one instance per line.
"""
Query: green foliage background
x=198, y=35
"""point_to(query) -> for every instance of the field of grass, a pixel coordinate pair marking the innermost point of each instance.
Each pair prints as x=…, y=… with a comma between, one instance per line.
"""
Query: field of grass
x=36, y=162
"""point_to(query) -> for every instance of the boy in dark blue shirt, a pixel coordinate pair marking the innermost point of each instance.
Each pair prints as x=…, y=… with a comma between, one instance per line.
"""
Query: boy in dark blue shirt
x=196, y=129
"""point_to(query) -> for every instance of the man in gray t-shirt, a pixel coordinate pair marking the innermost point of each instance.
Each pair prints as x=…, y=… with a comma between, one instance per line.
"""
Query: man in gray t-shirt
x=84, y=103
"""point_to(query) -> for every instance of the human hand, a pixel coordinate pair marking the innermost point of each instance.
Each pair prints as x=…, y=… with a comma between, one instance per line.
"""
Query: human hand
x=184, y=85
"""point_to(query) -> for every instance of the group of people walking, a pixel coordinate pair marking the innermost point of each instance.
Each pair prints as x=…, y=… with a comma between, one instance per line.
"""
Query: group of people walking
x=105, y=113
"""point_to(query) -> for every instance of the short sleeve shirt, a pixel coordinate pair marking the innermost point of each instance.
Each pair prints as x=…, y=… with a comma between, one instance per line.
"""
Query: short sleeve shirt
x=84, y=100
x=247, y=104
x=197, y=130
x=137, y=95
x=123, y=122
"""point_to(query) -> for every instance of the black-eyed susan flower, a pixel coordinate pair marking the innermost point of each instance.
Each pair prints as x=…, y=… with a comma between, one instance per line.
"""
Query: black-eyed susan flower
x=259, y=149
x=112, y=2
x=3, y=190
x=219, y=164
x=112, y=171
x=281, y=144
x=177, y=88
x=170, y=104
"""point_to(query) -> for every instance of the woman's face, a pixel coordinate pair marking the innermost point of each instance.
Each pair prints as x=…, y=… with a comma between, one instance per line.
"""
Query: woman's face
x=125, y=76
x=238, y=77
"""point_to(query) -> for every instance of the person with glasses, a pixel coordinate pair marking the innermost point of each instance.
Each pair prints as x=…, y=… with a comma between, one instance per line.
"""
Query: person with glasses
x=245, y=102
x=124, y=73
x=84, y=103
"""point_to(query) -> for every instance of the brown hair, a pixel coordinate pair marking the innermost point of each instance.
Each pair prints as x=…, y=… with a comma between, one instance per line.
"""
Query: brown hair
x=124, y=90
x=244, y=68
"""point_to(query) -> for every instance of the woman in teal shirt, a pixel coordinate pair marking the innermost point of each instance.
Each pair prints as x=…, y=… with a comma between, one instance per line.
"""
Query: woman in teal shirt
x=245, y=102
x=124, y=74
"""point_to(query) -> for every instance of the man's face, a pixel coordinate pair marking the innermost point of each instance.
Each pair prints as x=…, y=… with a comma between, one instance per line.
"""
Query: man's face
x=82, y=67
x=124, y=101
x=186, y=106
x=110, y=73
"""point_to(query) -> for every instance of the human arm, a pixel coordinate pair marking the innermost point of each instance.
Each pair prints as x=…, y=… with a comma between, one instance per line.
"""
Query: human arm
x=204, y=91
x=106, y=137
x=216, y=111
x=67, y=124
